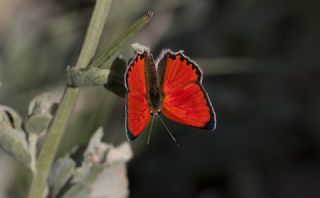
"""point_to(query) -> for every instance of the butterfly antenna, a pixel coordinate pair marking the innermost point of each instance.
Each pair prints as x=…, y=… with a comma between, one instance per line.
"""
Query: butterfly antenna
x=168, y=130
x=150, y=129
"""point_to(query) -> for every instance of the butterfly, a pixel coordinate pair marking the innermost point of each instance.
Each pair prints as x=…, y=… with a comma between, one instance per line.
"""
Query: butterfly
x=171, y=85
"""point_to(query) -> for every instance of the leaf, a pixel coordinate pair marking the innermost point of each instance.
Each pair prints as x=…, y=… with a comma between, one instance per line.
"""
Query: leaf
x=40, y=114
x=10, y=116
x=115, y=81
x=112, y=182
x=94, y=154
x=37, y=123
x=41, y=104
x=107, y=181
x=95, y=141
x=78, y=191
x=122, y=153
x=81, y=173
x=61, y=172
x=14, y=143
x=83, y=188
x=96, y=149
x=103, y=171
x=12, y=139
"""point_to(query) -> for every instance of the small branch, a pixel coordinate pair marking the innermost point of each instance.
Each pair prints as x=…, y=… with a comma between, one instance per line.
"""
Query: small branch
x=115, y=45
x=68, y=101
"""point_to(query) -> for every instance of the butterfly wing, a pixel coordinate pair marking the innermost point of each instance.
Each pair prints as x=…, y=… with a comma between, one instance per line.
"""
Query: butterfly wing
x=185, y=99
x=137, y=108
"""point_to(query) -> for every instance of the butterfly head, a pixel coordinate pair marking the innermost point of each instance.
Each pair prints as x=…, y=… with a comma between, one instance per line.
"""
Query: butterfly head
x=155, y=112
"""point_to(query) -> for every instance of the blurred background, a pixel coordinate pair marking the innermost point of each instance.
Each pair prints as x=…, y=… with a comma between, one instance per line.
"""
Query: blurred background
x=261, y=64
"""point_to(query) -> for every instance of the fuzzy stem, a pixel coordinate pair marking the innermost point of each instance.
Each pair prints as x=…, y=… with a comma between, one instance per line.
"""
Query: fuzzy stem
x=68, y=101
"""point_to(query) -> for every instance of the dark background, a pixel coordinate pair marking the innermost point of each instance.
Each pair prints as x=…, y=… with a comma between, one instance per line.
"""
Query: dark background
x=261, y=65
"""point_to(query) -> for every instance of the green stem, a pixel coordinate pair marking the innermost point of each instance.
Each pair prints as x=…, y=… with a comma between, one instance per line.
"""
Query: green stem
x=115, y=45
x=68, y=101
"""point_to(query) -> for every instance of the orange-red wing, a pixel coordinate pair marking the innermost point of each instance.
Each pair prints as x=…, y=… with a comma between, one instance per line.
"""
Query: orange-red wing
x=185, y=99
x=137, y=108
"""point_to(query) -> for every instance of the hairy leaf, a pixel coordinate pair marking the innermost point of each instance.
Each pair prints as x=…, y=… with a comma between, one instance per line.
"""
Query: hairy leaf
x=61, y=172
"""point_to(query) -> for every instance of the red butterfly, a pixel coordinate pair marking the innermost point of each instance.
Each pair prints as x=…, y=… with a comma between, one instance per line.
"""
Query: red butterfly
x=171, y=85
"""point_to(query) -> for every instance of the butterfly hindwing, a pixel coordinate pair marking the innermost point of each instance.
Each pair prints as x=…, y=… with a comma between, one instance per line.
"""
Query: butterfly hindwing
x=185, y=99
x=137, y=108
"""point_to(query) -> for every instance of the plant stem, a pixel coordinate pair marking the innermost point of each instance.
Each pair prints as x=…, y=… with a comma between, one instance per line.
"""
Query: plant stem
x=68, y=101
x=115, y=45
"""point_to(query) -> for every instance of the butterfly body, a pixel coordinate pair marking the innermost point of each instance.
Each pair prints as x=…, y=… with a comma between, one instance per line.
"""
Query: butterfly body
x=154, y=93
x=171, y=85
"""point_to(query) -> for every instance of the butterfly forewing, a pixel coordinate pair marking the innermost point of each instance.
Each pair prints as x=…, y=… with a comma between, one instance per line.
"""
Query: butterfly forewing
x=137, y=108
x=185, y=99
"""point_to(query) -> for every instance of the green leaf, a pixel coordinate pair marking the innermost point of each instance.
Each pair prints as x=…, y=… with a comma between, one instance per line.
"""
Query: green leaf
x=40, y=114
x=10, y=117
x=78, y=191
x=61, y=172
x=14, y=143
x=38, y=123
x=12, y=138
x=41, y=104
